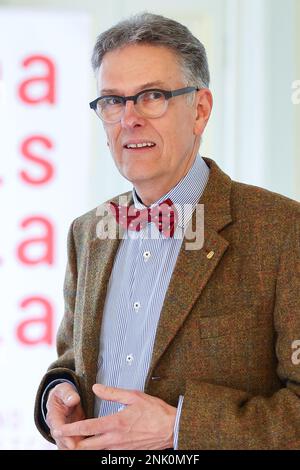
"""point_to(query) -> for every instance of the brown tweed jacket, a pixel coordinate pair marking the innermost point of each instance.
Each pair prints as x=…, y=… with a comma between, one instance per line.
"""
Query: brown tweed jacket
x=227, y=327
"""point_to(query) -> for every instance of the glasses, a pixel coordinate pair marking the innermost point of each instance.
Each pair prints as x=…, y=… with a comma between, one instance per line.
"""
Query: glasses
x=148, y=103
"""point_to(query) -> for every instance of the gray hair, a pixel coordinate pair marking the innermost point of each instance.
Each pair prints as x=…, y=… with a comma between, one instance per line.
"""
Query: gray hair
x=149, y=28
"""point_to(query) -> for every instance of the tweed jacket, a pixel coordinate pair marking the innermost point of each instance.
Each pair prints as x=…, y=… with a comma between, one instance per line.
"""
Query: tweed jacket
x=228, y=327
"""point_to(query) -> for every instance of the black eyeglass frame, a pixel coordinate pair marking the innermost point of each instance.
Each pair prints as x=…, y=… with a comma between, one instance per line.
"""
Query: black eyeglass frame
x=134, y=98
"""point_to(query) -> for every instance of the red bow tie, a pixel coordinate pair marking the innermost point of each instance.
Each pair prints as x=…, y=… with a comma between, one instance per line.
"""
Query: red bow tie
x=164, y=215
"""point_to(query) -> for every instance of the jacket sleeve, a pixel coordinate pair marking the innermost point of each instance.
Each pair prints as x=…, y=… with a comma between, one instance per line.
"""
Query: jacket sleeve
x=64, y=366
x=218, y=417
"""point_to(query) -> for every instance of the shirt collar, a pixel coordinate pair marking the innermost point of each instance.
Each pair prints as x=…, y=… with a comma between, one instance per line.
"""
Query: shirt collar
x=186, y=193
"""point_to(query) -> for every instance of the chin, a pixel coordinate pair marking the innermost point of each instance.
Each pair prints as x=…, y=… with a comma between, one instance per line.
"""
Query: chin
x=136, y=176
x=138, y=171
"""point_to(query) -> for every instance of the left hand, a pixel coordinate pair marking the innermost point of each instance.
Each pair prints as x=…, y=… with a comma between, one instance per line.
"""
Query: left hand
x=147, y=422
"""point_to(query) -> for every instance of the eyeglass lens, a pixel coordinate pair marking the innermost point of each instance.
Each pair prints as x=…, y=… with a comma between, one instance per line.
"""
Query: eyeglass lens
x=150, y=104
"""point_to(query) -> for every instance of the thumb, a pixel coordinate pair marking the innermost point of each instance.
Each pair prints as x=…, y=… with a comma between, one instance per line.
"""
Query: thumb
x=67, y=394
x=71, y=399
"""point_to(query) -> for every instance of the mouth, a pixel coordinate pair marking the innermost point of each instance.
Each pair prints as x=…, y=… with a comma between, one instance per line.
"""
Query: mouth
x=139, y=146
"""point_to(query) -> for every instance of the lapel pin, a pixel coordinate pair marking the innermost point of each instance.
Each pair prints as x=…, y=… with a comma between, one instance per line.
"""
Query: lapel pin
x=210, y=255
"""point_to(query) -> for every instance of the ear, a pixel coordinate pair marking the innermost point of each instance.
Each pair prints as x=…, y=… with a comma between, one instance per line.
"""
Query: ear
x=203, y=106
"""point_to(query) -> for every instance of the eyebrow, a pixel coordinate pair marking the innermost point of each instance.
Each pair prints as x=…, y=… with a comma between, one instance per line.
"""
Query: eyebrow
x=114, y=91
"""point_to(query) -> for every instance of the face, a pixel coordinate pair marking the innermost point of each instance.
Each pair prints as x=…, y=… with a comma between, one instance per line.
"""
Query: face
x=175, y=135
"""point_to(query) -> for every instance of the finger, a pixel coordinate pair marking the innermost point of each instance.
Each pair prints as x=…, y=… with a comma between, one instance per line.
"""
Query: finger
x=87, y=427
x=57, y=414
x=55, y=418
x=120, y=395
x=66, y=393
x=112, y=441
x=91, y=427
x=99, y=442
x=66, y=444
x=62, y=399
x=55, y=421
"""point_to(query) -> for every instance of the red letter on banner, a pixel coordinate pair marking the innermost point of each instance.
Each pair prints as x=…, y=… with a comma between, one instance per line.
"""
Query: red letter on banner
x=27, y=90
x=33, y=243
x=45, y=321
x=29, y=152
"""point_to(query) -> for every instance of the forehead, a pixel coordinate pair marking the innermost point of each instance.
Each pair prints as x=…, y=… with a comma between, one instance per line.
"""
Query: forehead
x=130, y=67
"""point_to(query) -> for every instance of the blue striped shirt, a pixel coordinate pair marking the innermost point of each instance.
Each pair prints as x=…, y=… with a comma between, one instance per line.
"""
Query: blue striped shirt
x=137, y=287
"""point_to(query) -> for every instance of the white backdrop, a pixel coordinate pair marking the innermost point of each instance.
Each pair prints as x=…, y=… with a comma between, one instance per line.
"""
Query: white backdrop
x=44, y=155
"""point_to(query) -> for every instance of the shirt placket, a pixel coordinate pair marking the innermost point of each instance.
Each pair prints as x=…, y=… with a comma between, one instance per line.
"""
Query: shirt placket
x=135, y=309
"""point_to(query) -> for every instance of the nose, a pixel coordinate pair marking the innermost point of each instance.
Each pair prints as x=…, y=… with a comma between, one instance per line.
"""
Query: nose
x=131, y=118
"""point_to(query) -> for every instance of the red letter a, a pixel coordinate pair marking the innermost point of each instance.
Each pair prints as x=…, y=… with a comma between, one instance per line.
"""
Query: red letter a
x=28, y=88
x=45, y=320
x=24, y=254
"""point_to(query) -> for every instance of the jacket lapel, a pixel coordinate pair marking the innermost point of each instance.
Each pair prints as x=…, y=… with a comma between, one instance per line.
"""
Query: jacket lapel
x=194, y=267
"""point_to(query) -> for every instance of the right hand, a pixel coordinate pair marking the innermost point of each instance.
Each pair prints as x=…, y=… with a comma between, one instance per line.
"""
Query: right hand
x=64, y=406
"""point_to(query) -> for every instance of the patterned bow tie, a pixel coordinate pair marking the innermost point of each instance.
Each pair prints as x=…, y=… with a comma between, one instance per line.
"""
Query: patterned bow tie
x=164, y=215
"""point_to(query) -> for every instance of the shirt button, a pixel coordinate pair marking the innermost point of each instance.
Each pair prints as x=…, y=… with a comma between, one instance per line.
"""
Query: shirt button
x=146, y=255
x=136, y=306
x=129, y=359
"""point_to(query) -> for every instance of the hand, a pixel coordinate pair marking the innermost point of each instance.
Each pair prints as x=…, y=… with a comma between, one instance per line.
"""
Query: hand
x=63, y=406
x=146, y=423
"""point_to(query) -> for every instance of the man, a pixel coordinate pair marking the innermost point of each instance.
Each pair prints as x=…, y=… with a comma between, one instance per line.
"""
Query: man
x=163, y=345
